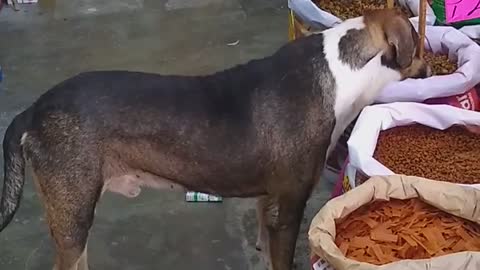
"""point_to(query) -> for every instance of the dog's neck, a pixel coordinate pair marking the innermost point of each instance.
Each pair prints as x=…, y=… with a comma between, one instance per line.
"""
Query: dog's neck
x=357, y=69
x=344, y=65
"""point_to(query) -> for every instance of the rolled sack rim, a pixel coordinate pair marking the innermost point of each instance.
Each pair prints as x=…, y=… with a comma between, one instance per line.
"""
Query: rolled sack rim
x=472, y=31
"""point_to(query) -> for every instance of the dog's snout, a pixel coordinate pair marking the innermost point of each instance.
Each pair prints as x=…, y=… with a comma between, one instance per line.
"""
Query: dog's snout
x=425, y=70
x=419, y=69
x=429, y=70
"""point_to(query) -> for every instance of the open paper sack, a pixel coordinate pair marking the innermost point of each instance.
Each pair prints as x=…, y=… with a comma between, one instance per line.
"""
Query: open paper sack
x=390, y=221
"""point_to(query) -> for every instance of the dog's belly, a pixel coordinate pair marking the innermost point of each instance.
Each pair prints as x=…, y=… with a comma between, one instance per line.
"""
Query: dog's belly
x=130, y=184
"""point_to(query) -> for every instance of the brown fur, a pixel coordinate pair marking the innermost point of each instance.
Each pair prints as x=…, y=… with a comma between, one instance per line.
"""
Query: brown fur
x=391, y=31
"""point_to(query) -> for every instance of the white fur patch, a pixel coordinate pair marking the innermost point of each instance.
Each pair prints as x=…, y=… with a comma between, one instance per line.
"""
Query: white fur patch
x=24, y=138
x=355, y=89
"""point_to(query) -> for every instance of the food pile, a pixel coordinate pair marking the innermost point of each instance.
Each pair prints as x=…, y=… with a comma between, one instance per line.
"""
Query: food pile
x=387, y=231
x=354, y=8
x=440, y=63
x=451, y=155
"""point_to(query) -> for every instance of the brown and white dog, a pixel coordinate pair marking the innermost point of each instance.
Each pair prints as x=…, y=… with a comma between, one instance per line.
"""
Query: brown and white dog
x=263, y=129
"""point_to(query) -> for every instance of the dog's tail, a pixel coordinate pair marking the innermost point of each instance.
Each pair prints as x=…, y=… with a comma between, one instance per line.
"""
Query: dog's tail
x=14, y=168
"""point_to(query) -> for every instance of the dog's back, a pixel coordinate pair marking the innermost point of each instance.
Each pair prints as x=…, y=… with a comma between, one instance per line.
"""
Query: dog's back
x=220, y=130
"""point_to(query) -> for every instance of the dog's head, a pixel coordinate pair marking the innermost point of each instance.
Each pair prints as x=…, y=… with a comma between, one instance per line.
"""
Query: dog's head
x=391, y=31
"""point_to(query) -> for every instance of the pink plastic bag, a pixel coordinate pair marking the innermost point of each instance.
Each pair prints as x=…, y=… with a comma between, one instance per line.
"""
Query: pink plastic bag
x=468, y=101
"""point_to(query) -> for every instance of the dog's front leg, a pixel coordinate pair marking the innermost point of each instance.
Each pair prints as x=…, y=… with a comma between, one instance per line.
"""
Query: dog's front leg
x=262, y=243
x=284, y=215
x=262, y=229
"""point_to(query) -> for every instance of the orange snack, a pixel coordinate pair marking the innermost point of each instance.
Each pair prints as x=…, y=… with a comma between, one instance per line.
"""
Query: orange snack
x=387, y=231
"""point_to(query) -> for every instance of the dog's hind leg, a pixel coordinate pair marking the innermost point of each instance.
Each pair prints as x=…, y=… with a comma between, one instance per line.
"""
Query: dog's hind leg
x=83, y=261
x=70, y=219
x=284, y=215
x=70, y=205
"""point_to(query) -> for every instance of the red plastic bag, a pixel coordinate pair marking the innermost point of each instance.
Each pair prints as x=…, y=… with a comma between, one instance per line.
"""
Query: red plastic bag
x=469, y=100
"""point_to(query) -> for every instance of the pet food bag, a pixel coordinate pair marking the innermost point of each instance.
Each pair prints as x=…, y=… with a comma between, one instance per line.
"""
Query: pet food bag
x=312, y=15
x=468, y=101
x=365, y=144
x=442, y=225
x=459, y=48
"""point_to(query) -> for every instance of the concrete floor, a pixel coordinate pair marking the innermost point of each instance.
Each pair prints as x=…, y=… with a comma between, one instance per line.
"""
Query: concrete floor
x=45, y=43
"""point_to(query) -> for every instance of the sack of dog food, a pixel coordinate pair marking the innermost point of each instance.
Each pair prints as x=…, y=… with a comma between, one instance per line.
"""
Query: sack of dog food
x=455, y=59
x=468, y=101
x=327, y=13
x=438, y=142
x=399, y=222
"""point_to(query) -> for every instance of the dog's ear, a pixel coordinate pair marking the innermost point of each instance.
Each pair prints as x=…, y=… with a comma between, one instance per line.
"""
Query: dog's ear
x=397, y=31
x=398, y=34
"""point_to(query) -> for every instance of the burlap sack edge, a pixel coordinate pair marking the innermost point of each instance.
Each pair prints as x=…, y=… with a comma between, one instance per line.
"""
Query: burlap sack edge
x=449, y=197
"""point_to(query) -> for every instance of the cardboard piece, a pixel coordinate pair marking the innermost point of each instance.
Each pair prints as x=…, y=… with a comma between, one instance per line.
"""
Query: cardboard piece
x=454, y=199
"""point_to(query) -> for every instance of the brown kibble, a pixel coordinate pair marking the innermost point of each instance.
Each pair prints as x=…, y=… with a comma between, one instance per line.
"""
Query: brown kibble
x=440, y=63
x=353, y=8
x=421, y=231
x=450, y=155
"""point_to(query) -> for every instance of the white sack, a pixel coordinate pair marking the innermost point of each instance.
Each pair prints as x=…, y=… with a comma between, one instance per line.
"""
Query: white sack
x=373, y=119
x=310, y=14
x=473, y=31
x=440, y=39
